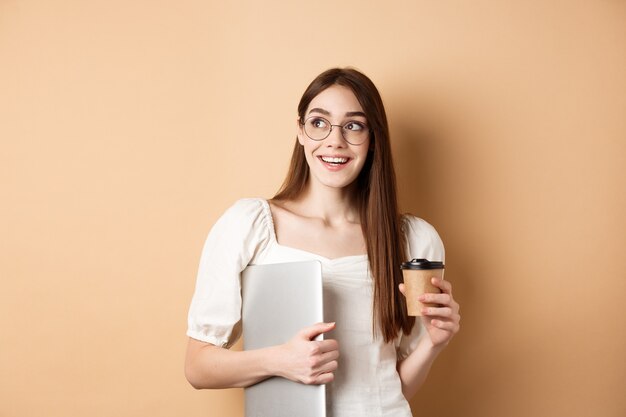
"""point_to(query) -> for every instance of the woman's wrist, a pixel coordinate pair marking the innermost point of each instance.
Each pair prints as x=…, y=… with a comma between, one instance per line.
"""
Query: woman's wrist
x=426, y=345
x=271, y=360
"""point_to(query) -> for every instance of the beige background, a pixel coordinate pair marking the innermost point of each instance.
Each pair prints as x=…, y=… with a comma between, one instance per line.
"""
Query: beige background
x=127, y=127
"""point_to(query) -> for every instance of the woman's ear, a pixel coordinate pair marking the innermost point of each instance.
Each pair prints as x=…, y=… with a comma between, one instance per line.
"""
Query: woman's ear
x=300, y=130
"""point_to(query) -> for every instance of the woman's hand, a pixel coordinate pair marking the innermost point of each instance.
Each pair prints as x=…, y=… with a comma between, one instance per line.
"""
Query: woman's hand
x=301, y=359
x=307, y=360
x=441, y=322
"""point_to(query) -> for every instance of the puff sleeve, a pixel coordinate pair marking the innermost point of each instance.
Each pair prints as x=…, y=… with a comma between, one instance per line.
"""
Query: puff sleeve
x=237, y=236
x=423, y=241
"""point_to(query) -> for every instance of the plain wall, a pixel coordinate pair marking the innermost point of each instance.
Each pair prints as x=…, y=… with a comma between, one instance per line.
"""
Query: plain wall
x=128, y=127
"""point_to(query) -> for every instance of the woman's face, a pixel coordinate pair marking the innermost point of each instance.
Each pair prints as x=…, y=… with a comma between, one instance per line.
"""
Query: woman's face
x=333, y=162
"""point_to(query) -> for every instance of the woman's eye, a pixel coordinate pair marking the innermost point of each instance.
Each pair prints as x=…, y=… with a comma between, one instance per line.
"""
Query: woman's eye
x=318, y=123
x=354, y=126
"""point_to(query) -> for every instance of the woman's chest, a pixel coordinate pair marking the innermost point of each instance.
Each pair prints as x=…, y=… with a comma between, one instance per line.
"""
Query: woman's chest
x=315, y=236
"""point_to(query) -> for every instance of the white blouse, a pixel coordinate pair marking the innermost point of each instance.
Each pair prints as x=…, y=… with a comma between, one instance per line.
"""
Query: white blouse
x=366, y=382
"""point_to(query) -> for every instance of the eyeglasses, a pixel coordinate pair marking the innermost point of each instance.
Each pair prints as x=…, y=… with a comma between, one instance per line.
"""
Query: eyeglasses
x=319, y=128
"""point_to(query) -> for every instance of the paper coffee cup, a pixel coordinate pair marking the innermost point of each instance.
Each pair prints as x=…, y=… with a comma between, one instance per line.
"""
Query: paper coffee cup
x=417, y=275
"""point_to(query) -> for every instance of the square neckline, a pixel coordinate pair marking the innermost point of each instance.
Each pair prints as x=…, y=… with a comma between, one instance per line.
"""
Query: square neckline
x=268, y=214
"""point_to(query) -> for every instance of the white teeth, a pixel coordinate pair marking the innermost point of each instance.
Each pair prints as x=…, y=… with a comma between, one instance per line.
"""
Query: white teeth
x=334, y=160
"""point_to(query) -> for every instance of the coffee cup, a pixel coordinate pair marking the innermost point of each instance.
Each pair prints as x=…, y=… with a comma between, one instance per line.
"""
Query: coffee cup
x=418, y=274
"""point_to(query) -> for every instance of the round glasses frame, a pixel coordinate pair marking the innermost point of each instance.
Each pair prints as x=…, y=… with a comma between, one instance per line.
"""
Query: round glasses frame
x=330, y=130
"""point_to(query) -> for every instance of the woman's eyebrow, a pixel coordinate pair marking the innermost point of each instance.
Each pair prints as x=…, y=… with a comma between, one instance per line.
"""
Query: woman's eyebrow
x=318, y=110
x=327, y=113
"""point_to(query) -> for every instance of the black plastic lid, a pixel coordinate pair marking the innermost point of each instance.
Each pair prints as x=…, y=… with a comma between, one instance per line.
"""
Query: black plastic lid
x=421, y=264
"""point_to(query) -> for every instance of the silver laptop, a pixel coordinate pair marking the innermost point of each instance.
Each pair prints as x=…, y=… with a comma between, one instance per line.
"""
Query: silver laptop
x=278, y=301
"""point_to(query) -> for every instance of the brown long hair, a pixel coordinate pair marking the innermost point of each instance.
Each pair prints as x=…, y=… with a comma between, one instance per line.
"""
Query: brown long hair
x=375, y=196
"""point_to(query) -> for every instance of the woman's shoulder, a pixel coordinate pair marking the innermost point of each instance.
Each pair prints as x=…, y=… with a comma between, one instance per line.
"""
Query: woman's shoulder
x=422, y=237
x=242, y=229
x=246, y=208
x=244, y=213
x=414, y=224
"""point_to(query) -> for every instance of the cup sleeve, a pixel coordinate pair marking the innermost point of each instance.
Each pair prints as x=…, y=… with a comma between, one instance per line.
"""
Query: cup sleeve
x=215, y=311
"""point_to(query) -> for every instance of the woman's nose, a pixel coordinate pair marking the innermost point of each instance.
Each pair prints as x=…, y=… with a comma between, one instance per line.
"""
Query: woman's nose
x=336, y=136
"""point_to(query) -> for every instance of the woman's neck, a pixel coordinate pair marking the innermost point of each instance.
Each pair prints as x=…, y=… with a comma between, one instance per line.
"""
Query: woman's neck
x=332, y=205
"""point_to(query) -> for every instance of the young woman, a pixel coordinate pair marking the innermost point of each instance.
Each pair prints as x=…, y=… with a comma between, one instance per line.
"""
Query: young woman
x=337, y=205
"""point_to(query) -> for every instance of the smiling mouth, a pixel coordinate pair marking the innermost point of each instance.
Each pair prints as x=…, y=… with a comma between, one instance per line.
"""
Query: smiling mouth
x=334, y=160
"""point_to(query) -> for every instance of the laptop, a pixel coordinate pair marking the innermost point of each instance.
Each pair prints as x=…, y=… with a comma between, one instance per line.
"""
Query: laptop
x=277, y=301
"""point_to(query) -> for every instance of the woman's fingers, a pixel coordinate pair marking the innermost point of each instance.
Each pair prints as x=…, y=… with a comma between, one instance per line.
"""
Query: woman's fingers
x=451, y=326
x=329, y=353
x=443, y=299
x=442, y=284
x=323, y=379
x=329, y=345
x=308, y=360
x=330, y=366
x=442, y=318
x=444, y=314
x=311, y=332
x=321, y=367
x=437, y=311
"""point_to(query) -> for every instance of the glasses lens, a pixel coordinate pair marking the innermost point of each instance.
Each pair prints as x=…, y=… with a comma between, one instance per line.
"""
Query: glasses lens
x=317, y=128
x=355, y=133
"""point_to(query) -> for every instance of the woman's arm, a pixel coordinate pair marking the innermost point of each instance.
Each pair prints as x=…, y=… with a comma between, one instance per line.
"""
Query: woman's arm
x=441, y=324
x=414, y=369
x=301, y=359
